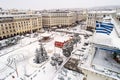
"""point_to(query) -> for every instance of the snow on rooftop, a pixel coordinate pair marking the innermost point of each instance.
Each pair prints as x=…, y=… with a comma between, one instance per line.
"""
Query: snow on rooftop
x=46, y=34
x=117, y=13
x=100, y=38
x=103, y=58
x=109, y=40
x=107, y=18
x=113, y=11
x=19, y=15
x=116, y=42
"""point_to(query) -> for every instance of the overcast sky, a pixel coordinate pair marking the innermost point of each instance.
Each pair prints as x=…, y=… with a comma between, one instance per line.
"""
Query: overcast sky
x=53, y=4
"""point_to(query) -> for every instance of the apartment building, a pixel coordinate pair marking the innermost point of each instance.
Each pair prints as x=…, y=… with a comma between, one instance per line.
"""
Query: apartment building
x=91, y=21
x=58, y=19
x=11, y=25
x=18, y=12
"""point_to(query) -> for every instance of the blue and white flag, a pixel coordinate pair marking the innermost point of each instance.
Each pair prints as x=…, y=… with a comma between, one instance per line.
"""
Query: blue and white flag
x=102, y=27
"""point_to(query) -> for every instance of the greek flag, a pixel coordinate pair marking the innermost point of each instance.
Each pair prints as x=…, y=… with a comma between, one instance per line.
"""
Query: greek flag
x=105, y=28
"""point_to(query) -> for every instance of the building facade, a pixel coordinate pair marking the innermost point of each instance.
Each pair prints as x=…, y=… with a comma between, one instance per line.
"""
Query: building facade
x=18, y=12
x=18, y=22
x=11, y=25
x=58, y=18
x=91, y=21
x=81, y=15
x=3, y=12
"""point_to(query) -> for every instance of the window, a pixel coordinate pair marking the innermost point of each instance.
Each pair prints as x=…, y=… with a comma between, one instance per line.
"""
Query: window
x=9, y=24
x=2, y=28
x=1, y=24
x=3, y=32
x=5, y=24
x=10, y=30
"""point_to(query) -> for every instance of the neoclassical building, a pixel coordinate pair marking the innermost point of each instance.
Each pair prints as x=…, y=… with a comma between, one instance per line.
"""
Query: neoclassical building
x=11, y=25
x=58, y=18
x=21, y=22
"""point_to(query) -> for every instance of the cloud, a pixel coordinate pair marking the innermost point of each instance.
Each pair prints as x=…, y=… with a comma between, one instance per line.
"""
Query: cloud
x=50, y=4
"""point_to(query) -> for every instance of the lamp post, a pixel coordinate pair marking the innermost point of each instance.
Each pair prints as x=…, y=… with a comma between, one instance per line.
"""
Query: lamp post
x=15, y=67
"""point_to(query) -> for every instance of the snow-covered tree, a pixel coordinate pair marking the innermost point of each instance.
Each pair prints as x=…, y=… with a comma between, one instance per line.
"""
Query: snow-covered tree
x=41, y=54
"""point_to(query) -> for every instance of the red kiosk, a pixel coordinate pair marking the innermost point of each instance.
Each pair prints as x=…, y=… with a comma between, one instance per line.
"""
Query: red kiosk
x=60, y=41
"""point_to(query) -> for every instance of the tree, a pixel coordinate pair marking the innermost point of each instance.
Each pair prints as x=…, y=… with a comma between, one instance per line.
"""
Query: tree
x=67, y=48
x=41, y=55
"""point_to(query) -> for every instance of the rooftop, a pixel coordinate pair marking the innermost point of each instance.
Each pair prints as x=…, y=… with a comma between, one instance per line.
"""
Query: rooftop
x=21, y=15
x=105, y=59
x=103, y=12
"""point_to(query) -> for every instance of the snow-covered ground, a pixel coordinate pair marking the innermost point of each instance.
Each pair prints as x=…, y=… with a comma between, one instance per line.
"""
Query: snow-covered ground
x=76, y=29
x=16, y=60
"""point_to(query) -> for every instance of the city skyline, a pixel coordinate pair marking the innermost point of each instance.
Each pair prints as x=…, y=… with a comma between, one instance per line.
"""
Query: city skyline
x=55, y=4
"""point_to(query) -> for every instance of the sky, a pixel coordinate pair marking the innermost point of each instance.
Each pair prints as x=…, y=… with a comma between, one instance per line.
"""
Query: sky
x=55, y=4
